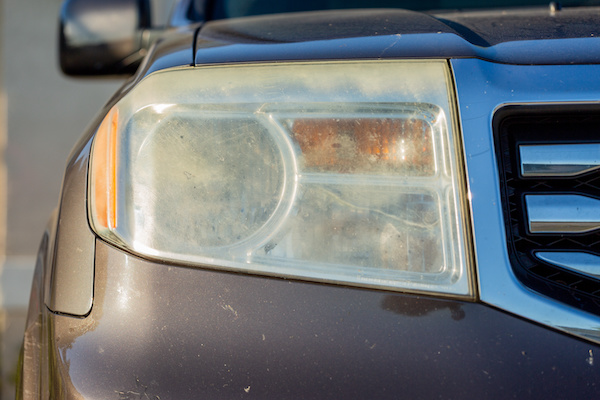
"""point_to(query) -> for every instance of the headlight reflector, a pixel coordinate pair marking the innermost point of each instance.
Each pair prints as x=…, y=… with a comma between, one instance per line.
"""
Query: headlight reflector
x=344, y=172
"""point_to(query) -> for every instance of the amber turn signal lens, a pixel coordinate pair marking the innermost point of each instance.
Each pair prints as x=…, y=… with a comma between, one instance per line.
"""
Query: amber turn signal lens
x=363, y=145
x=104, y=167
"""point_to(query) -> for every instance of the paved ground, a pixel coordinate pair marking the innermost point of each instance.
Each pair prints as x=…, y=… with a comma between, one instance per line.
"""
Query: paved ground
x=16, y=282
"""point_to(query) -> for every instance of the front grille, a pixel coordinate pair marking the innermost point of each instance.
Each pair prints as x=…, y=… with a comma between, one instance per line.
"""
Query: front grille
x=519, y=126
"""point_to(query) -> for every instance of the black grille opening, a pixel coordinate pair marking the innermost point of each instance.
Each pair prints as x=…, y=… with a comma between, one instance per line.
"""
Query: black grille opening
x=519, y=125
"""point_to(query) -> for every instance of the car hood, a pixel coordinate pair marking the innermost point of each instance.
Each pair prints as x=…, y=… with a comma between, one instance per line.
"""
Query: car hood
x=538, y=35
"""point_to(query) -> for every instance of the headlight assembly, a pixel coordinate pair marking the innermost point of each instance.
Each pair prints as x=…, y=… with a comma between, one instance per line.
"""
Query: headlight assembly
x=344, y=172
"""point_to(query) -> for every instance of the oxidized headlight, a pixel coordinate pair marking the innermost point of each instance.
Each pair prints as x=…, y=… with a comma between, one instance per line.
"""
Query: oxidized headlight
x=340, y=171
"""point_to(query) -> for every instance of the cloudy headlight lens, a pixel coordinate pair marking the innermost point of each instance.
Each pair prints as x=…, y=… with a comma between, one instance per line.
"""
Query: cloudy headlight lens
x=342, y=172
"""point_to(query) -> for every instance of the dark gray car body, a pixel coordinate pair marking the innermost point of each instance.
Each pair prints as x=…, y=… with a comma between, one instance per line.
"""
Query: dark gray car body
x=104, y=323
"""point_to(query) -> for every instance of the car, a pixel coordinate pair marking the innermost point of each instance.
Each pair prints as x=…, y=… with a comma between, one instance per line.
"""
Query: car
x=326, y=200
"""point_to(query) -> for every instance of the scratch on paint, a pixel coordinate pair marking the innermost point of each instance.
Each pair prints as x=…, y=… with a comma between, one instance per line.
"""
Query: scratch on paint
x=137, y=394
x=229, y=308
x=398, y=36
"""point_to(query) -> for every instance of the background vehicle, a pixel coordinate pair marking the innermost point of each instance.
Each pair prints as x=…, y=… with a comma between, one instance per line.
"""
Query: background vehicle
x=371, y=203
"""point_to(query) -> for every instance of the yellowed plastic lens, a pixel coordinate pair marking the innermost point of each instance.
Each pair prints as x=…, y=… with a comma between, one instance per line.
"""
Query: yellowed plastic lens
x=365, y=145
x=103, y=170
x=343, y=172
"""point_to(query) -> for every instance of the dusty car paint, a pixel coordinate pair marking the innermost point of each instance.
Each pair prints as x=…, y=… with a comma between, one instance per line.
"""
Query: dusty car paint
x=513, y=37
x=176, y=332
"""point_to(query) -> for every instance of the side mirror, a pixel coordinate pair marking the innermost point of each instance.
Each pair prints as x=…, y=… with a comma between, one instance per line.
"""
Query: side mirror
x=103, y=37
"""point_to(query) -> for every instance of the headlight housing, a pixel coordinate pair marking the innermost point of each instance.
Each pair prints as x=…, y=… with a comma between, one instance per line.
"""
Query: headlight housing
x=346, y=172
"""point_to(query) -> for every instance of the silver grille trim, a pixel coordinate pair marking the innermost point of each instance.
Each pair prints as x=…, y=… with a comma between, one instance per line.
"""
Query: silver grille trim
x=559, y=159
x=482, y=88
x=562, y=213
